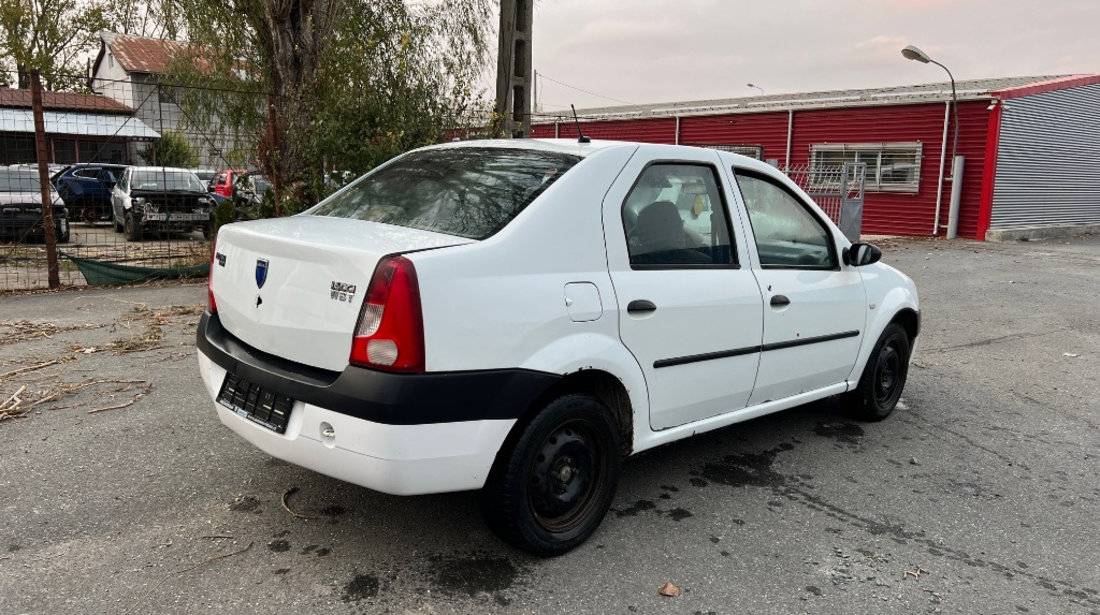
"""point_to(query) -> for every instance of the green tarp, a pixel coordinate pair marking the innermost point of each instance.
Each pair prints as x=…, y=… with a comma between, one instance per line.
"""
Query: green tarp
x=101, y=273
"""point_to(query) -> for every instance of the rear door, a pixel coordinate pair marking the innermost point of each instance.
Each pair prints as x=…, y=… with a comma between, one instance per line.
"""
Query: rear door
x=689, y=311
x=815, y=308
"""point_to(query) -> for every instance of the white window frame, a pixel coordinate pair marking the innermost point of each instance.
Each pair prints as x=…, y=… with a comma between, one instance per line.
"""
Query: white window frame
x=871, y=153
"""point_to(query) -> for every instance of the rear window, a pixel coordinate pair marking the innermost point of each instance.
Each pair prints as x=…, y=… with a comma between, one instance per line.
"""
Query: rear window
x=469, y=192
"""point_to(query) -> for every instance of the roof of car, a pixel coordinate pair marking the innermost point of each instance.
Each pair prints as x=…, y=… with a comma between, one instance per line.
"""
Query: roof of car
x=172, y=169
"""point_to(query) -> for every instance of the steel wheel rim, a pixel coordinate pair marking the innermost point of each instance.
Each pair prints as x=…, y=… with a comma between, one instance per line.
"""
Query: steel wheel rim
x=565, y=476
x=888, y=374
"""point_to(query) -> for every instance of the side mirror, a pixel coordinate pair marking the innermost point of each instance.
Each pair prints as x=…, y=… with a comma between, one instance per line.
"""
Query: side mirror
x=860, y=254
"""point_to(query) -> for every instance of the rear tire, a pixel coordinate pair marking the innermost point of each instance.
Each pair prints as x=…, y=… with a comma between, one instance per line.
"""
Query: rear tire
x=883, y=377
x=131, y=228
x=552, y=486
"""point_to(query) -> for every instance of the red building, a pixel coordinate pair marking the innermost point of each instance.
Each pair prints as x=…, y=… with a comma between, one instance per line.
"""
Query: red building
x=1031, y=146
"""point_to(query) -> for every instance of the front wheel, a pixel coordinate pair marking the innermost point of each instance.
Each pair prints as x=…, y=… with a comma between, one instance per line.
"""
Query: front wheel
x=132, y=228
x=883, y=377
x=550, y=489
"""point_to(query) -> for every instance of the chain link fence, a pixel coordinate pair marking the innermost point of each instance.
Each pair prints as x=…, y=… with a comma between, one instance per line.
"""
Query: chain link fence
x=136, y=171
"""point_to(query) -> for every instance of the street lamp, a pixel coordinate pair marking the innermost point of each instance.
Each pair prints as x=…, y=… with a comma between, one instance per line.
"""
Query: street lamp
x=755, y=86
x=912, y=52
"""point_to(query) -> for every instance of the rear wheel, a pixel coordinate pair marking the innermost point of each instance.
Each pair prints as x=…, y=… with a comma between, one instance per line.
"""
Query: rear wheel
x=883, y=377
x=550, y=489
x=132, y=228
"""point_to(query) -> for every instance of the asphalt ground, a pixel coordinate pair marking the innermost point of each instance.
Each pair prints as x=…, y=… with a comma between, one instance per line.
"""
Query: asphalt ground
x=980, y=495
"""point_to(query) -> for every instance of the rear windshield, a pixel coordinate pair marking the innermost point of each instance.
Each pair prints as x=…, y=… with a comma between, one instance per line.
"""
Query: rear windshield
x=469, y=192
x=166, y=179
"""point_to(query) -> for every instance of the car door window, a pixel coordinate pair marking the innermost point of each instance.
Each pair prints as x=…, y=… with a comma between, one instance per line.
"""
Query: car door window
x=788, y=234
x=675, y=216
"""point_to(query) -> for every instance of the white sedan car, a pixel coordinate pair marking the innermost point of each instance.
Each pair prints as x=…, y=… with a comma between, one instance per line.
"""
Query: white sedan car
x=518, y=316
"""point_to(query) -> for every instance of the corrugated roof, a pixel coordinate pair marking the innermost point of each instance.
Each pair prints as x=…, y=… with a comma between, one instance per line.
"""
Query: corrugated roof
x=971, y=89
x=73, y=101
x=77, y=123
x=143, y=55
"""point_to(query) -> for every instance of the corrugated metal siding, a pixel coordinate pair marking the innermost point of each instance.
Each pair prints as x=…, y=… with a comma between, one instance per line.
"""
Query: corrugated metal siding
x=1048, y=160
x=660, y=130
x=768, y=130
x=886, y=213
x=893, y=213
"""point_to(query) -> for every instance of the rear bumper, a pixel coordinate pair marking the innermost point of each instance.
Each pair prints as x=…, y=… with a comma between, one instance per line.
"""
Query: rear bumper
x=403, y=434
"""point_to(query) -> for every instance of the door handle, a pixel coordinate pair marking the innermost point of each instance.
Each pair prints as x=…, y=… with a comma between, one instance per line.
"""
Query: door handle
x=640, y=306
x=780, y=301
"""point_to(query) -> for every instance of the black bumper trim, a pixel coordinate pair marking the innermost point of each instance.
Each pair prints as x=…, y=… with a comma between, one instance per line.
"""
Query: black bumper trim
x=380, y=397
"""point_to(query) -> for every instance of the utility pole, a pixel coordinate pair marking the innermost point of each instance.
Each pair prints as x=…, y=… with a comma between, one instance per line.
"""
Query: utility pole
x=44, y=181
x=513, y=103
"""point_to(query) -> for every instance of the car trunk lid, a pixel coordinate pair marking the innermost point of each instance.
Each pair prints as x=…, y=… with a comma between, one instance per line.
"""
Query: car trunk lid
x=293, y=287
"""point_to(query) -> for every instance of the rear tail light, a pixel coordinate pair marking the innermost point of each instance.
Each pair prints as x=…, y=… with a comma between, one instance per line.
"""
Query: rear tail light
x=210, y=303
x=390, y=333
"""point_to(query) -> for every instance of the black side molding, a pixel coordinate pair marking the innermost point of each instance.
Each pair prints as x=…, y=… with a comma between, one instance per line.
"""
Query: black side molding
x=724, y=354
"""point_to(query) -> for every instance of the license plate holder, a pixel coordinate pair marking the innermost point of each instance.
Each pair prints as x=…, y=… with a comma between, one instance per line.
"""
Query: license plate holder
x=249, y=400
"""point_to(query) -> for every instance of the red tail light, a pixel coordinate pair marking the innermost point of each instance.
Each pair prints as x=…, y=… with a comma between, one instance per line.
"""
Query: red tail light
x=210, y=303
x=390, y=332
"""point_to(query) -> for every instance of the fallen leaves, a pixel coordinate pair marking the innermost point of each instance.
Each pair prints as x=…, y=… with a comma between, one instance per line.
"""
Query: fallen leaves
x=670, y=591
x=915, y=573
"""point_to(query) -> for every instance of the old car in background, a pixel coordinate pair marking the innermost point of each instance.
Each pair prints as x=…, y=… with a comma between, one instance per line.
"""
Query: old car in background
x=86, y=189
x=21, y=216
x=223, y=181
x=249, y=190
x=160, y=200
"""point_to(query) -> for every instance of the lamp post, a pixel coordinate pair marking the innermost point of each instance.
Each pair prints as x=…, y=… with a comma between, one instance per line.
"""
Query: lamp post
x=755, y=86
x=912, y=52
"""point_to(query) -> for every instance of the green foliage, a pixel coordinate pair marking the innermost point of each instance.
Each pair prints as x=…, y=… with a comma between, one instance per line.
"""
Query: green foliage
x=331, y=85
x=223, y=214
x=50, y=36
x=171, y=150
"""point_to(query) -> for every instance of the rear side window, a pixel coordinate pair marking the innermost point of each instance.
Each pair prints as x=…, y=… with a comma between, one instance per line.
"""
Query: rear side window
x=675, y=217
x=469, y=192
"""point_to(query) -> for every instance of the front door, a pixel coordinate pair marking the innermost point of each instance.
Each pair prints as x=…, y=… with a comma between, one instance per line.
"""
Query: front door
x=689, y=311
x=814, y=306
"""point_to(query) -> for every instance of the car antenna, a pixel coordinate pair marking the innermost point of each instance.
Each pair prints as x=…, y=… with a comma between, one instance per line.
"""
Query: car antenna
x=581, y=138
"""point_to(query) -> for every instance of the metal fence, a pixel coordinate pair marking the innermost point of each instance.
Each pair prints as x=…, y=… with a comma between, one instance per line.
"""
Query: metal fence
x=122, y=210
x=838, y=190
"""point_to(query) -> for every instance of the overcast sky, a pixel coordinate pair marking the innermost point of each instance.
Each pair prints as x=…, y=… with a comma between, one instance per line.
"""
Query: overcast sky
x=642, y=51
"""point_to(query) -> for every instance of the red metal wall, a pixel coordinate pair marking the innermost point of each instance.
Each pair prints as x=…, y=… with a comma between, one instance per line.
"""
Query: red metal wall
x=886, y=213
x=659, y=130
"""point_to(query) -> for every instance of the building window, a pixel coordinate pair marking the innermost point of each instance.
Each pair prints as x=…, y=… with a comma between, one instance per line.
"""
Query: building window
x=752, y=151
x=891, y=167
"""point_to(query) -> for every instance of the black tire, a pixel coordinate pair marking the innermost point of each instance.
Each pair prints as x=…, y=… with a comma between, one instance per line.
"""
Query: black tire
x=552, y=485
x=131, y=228
x=206, y=231
x=883, y=377
x=64, y=237
x=118, y=226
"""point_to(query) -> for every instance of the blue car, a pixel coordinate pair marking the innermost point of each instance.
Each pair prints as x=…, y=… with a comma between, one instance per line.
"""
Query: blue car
x=86, y=189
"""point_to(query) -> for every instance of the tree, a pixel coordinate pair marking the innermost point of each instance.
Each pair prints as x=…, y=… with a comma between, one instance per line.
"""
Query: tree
x=326, y=83
x=171, y=150
x=51, y=36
